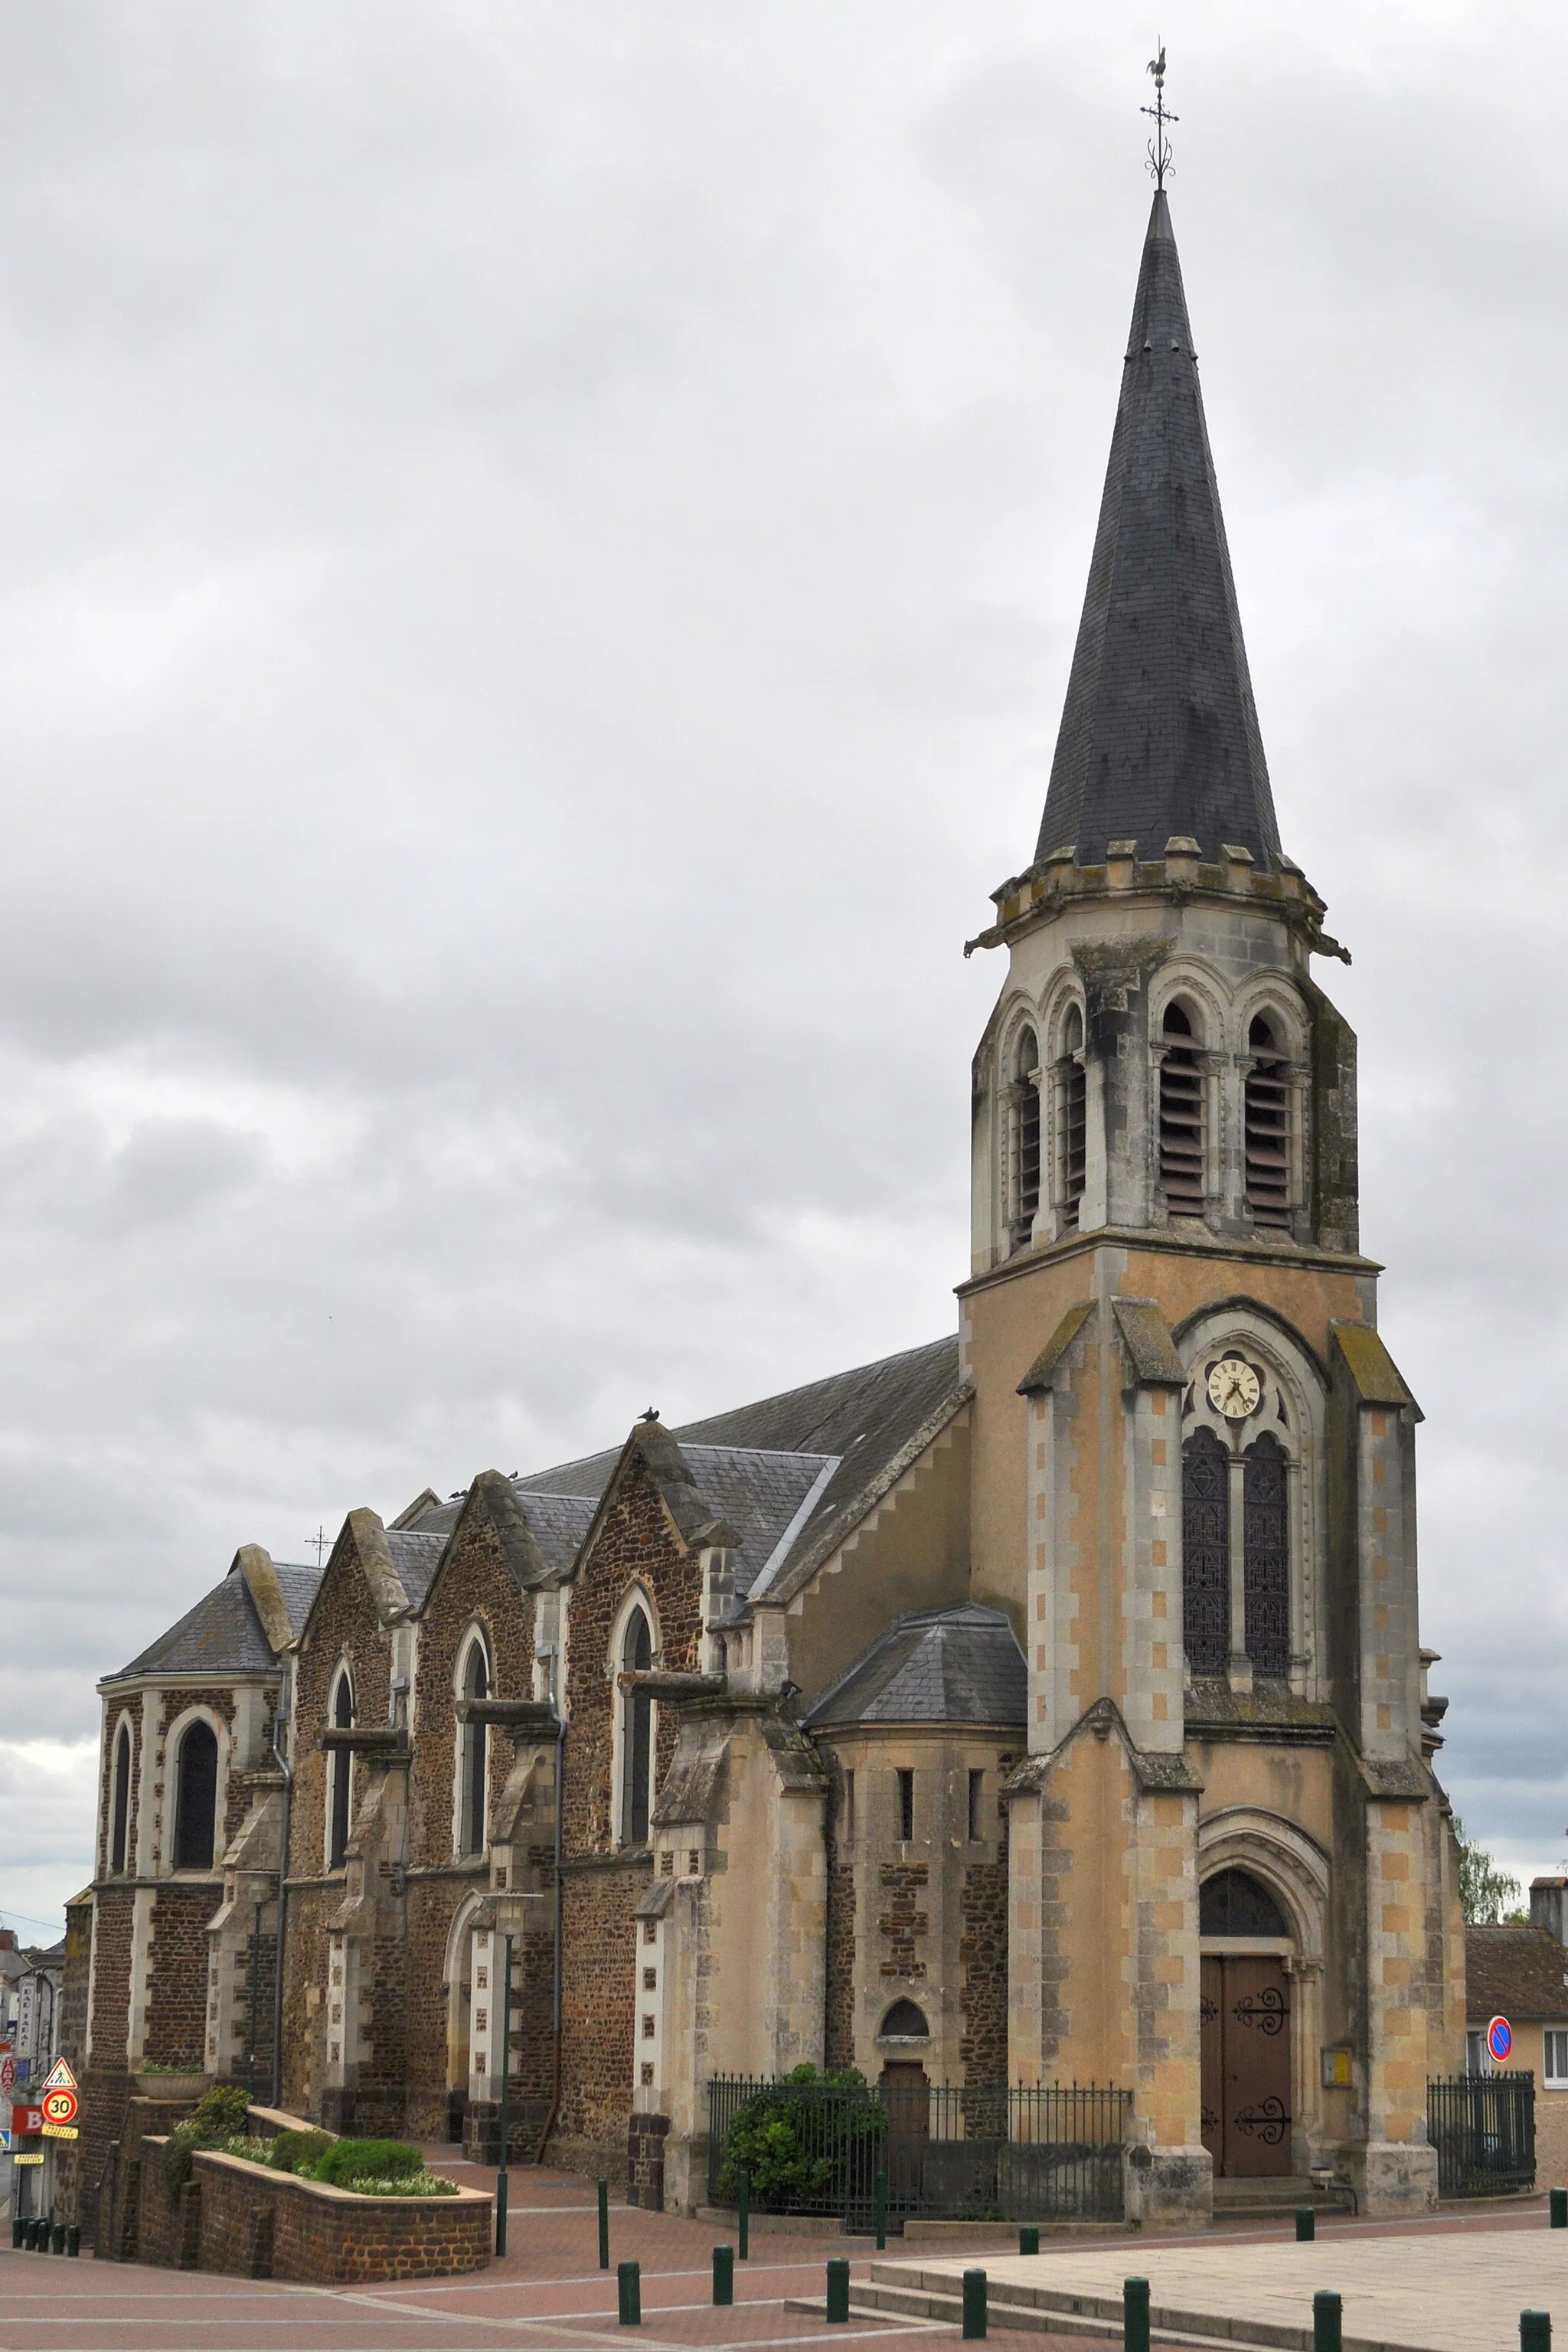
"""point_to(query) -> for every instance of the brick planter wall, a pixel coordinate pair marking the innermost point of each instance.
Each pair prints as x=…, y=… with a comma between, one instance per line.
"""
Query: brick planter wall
x=252, y=2222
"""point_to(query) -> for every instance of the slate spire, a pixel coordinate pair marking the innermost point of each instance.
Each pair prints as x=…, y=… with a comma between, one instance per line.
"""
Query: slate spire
x=1159, y=736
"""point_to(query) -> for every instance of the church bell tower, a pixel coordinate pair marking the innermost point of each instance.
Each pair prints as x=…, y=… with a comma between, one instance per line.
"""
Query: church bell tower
x=1233, y=1887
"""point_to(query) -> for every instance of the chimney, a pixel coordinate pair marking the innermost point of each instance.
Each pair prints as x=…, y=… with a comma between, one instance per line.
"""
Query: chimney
x=1549, y=1906
x=7, y=1939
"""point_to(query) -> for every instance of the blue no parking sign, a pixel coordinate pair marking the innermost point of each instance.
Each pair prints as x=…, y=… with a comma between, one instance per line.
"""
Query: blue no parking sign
x=1499, y=2039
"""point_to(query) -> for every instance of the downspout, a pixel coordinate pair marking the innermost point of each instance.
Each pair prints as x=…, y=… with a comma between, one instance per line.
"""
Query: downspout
x=282, y=1896
x=560, y=1915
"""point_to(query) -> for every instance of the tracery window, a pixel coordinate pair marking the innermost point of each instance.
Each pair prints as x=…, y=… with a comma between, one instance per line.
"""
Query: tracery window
x=1181, y=1116
x=1266, y=1123
x=1026, y=1139
x=473, y=1753
x=120, y=1816
x=1206, y=1554
x=1233, y=1903
x=1266, y=1544
x=196, y=1797
x=637, y=1732
x=339, y=1785
x=1072, y=1120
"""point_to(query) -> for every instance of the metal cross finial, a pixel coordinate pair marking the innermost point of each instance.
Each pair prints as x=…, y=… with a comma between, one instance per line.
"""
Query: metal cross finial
x=319, y=1540
x=1159, y=146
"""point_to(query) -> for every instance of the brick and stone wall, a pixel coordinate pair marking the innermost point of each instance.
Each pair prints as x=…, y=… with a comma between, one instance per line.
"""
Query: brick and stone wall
x=982, y=1957
x=177, y=1974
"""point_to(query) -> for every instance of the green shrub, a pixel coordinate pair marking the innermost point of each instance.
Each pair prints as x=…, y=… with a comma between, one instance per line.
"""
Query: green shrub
x=299, y=2151
x=805, y=2138
x=221, y=2114
x=349, y=2161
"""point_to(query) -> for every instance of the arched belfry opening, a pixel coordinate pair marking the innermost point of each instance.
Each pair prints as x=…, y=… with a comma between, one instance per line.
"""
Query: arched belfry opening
x=1181, y=1115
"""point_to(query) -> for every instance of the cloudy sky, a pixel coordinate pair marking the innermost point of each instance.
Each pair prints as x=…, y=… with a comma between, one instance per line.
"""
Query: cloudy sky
x=539, y=549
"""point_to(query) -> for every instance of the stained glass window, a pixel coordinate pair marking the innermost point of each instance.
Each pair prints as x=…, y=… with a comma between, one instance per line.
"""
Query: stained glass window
x=1206, y=1554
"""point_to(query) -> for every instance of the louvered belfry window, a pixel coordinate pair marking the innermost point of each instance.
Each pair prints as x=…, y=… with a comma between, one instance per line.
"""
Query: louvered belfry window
x=1268, y=1125
x=1026, y=1139
x=1206, y=1554
x=1266, y=1545
x=1181, y=1117
x=1072, y=1120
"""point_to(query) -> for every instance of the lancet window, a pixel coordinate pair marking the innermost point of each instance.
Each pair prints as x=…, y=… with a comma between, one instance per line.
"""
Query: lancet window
x=196, y=1797
x=340, y=1772
x=1266, y=1545
x=1025, y=1140
x=1206, y=1554
x=121, y=1819
x=637, y=1731
x=1181, y=1116
x=1072, y=1120
x=473, y=1753
x=1266, y=1122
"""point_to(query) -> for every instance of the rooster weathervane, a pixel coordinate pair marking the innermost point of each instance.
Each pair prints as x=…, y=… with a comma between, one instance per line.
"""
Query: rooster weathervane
x=1159, y=146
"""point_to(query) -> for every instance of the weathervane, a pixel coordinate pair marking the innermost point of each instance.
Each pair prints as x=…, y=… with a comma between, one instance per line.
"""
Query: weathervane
x=1159, y=146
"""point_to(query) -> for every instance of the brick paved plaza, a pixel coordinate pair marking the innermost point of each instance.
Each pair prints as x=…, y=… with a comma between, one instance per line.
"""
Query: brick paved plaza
x=1454, y=2284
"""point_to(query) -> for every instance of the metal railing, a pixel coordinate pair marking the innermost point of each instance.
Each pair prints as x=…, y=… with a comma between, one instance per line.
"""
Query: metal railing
x=1483, y=2129
x=1052, y=2153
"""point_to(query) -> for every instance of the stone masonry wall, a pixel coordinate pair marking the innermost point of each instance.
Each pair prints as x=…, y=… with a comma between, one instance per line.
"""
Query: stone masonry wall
x=983, y=1955
x=177, y=1975
x=111, y=1976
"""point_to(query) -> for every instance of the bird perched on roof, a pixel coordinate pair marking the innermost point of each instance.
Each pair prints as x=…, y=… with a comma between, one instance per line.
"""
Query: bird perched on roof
x=651, y=1415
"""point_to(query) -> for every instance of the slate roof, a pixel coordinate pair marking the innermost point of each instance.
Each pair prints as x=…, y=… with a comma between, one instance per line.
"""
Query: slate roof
x=1515, y=1972
x=1158, y=734
x=943, y=1665
x=415, y=1558
x=298, y=1587
x=221, y=1635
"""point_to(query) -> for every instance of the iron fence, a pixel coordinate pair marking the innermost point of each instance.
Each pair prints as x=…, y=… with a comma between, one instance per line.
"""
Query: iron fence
x=1046, y=2154
x=1483, y=2129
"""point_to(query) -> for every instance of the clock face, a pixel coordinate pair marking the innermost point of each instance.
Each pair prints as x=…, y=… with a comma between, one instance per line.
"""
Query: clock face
x=1235, y=1389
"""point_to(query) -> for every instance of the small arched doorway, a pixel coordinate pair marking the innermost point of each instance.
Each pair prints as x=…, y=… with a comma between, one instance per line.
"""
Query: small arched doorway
x=1246, y=2006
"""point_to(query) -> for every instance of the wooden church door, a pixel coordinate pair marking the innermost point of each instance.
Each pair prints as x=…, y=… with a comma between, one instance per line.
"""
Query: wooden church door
x=1245, y=2014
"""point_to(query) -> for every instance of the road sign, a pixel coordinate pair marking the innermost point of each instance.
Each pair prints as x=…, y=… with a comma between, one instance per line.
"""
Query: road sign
x=59, y=2107
x=61, y=2131
x=6, y=2138
x=60, y=2078
x=31, y=2159
x=1500, y=2039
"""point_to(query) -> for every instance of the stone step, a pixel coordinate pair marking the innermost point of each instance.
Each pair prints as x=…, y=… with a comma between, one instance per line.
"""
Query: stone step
x=1281, y=2195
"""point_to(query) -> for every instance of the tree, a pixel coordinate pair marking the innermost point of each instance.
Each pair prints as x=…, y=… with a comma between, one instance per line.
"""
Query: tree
x=1487, y=1894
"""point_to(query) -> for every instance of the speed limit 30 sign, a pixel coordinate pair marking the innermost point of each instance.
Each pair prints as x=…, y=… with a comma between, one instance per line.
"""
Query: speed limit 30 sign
x=59, y=2106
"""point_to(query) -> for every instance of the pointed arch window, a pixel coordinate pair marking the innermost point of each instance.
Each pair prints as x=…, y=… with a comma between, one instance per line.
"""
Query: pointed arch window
x=1235, y=1904
x=1026, y=1139
x=1181, y=1115
x=473, y=1754
x=1072, y=1120
x=1265, y=1488
x=1206, y=1554
x=340, y=1772
x=637, y=1731
x=1266, y=1122
x=196, y=1797
x=119, y=1818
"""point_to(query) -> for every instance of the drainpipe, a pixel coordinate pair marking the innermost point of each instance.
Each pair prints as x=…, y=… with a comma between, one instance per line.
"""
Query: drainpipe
x=560, y=1913
x=282, y=1896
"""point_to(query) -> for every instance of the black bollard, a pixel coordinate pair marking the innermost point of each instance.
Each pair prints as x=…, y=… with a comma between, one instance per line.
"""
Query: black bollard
x=1306, y=2225
x=1535, y=2331
x=1327, y=2316
x=974, y=2305
x=628, y=2294
x=1028, y=2238
x=57, y=2238
x=1135, y=2314
x=723, y=2274
x=837, y=2290
x=18, y=2231
x=1560, y=2208
x=73, y=2240
x=603, y=2225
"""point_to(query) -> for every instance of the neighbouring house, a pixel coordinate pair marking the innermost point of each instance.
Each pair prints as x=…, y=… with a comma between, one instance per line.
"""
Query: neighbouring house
x=1521, y=1973
x=1045, y=1702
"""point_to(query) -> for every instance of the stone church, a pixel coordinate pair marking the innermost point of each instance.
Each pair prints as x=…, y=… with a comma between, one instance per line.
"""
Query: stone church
x=1044, y=1704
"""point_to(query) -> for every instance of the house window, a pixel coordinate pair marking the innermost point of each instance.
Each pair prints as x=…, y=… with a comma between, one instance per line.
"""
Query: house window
x=1181, y=1116
x=1267, y=1121
x=1072, y=1120
x=1555, y=2072
x=196, y=1801
x=906, y=1805
x=473, y=1753
x=121, y=1819
x=1026, y=1139
x=637, y=1731
x=1265, y=1524
x=340, y=1791
x=1206, y=1554
x=976, y=1792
